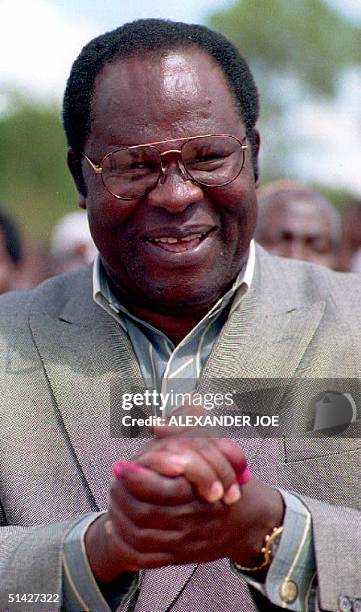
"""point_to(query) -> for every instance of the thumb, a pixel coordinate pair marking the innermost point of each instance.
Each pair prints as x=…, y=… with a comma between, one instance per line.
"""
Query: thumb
x=185, y=423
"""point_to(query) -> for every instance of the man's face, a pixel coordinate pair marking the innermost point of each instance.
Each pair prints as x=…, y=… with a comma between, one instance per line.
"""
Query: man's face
x=297, y=227
x=7, y=266
x=140, y=100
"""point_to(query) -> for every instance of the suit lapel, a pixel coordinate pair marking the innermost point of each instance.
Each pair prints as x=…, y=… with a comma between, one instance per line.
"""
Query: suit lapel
x=82, y=363
x=88, y=367
x=261, y=340
x=160, y=587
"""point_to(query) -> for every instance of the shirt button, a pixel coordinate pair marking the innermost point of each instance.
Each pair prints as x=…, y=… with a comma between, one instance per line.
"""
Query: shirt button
x=288, y=591
x=356, y=607
x=344, y=603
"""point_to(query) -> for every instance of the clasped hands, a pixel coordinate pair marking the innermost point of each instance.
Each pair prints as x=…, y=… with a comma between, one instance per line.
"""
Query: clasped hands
x=182, y=499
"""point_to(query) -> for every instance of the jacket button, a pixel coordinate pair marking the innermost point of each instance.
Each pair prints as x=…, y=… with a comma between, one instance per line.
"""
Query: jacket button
x=288, y=591
x=356, y=606
x=344, y=603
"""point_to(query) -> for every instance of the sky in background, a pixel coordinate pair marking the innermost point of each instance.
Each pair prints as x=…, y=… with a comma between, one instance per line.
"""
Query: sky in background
x=39, y=39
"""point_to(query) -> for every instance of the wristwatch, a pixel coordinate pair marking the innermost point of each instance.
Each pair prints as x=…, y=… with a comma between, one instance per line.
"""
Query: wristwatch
x=268, y=550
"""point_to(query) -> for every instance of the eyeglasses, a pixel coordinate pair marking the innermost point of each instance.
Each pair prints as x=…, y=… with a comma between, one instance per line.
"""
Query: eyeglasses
x=212, y=160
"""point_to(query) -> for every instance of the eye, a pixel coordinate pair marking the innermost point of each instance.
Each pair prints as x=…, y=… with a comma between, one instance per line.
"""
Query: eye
x=206, y=157
x=142, y=165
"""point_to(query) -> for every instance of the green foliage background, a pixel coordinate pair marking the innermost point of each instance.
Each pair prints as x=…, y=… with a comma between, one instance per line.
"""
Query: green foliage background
x=35, y=185
x=297, y=49
x=303, y=38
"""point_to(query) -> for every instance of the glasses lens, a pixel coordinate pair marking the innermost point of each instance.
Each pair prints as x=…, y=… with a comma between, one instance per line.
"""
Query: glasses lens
x=130, y=173
x=213, y=160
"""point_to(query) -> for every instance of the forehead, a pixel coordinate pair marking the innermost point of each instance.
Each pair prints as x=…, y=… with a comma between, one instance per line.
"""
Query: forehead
x=179, y=93
x=300, y=213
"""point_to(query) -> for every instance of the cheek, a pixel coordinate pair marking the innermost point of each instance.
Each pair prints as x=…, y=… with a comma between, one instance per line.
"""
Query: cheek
x=237, y=204
x=108, y=219
x=6, y=274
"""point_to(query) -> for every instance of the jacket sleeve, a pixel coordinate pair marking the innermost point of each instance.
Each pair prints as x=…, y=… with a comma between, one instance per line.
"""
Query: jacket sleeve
x=30, y=567
x=337, y=547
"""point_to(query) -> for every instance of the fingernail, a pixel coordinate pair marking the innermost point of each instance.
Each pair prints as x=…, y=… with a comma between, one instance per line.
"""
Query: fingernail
x=244, y=476
x=216, y=492
x=119, y=467
x=232, y=495
x=175, y=468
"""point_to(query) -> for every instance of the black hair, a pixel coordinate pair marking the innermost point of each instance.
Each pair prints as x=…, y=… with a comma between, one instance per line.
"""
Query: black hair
x=154, y=35
x=11, y=234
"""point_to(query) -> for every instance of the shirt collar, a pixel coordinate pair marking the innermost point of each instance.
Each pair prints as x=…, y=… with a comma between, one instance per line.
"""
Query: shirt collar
x=104, y=297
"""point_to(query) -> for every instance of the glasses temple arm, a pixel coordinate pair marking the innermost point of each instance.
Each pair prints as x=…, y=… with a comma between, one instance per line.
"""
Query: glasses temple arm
x=97, y=169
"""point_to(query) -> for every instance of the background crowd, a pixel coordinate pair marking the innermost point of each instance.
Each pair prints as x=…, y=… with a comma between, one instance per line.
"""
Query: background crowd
x=294, y=221
x=306, y=60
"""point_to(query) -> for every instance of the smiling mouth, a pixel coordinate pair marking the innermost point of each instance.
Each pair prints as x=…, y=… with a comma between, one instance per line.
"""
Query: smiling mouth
x=179, y=244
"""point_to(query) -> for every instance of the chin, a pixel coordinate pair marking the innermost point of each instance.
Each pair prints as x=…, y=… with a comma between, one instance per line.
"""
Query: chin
x=184, y=298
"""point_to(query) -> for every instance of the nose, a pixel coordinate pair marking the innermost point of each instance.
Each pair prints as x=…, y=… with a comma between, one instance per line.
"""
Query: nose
x=297, y=249
x=174, y=191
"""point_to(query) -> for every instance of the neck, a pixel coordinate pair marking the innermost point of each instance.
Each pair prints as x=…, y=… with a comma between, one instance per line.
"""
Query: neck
x=175, y=327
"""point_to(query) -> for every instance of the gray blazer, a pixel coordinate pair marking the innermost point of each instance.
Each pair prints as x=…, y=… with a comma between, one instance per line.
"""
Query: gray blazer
x=59, y=353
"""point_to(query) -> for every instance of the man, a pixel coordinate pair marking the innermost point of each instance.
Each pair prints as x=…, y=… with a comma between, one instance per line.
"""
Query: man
x=11, y=255
x=298, y=222
x=160, y=119
x=72, y=246
x=351, y=238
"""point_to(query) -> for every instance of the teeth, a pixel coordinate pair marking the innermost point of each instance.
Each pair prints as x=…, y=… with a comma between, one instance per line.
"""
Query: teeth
x=166, y=240
x=170, y=240
x=191, y=237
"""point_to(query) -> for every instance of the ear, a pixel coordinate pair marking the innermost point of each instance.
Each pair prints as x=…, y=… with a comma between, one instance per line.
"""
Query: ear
x=75, y=167
x=257, y=144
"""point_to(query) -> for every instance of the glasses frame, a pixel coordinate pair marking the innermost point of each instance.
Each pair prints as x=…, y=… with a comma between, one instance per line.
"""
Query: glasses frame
x=98, y=168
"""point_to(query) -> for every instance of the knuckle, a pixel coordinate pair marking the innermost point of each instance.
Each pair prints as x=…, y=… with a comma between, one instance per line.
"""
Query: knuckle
x=231, y=448
x=182, y=537
x=170, y=487
x=228, y=475
x=139, y=541
x=194, y=508
x=143, y=542
x=139, y=558
x=140, y=514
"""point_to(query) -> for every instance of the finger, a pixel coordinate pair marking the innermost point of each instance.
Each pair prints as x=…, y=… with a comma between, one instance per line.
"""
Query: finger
x=143, y=539
x=245, y=476
x=135, y=560
x=174, y=464
x=152, y=516
x=151, y=487
x=139, y=561
x=223, y=468
x=233, y=453
x=191, y=465
x=176, y=430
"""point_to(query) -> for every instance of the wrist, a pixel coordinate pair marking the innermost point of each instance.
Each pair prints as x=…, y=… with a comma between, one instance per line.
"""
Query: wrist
x=103, y=559
x=267, y=554
x=263, y=535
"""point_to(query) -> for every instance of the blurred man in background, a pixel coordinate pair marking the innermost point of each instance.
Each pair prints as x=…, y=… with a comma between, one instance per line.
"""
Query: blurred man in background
x=72, y=246
x=298, y=222
x=11, y=252
x=350, y=252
